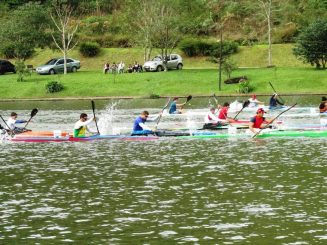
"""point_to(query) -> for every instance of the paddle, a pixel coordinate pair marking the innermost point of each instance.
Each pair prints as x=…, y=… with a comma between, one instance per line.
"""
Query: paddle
x=273, y=120
x=245, y=104
x=215, y=98
x=33, y=113
x=8, y=130
x=159, y=118
x=276, y=92
x=188, y=99
x=95, y=120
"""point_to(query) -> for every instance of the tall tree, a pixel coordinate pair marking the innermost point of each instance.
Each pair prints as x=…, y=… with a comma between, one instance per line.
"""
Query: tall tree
x=66, y=27
x=311, y=45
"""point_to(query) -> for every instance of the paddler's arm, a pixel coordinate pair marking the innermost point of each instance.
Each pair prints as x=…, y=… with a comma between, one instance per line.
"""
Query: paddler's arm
x=20, y=121
x=145, y=127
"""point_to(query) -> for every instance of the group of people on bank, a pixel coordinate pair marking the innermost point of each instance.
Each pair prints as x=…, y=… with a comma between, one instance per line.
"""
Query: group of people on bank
x=120, y=68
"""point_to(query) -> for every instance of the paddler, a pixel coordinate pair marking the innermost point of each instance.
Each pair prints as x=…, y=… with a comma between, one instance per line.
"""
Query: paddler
x=176, y=108
x=81, y=126
x=211, y=120
x=258, y=121
x=11, y=124
x=254, y=102
x=323, y=105
x=274, y=103
x=223, y=114
x=139, y=127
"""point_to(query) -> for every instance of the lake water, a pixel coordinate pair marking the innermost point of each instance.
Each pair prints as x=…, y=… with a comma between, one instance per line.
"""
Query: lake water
x=167, y=191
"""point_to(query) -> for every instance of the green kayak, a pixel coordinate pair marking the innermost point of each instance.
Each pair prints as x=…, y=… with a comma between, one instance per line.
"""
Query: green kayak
x=286, y=133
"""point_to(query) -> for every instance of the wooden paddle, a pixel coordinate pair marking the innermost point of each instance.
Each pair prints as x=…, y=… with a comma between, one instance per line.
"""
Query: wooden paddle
x=245, y=104
x=276, y=92
x=95, y=120
x=273, y=120
x=215, y=98
x=160, y=116
x=33, y=113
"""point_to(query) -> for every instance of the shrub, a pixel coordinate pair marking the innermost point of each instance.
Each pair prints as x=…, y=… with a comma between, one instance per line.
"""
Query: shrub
x=21, y=70
x=53, y=87
x=244, y=87
x=188, y=46
x=154, y=96
x=89, y=49
x=10, y=52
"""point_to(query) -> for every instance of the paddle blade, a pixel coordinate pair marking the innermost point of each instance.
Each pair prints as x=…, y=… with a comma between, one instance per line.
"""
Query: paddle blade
x=246, y=103
x=188, y=98
x=93, y=105
x=34, y=112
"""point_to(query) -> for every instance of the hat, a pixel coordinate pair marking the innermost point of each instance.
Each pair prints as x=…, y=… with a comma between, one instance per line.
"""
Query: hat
x=260, y=110
x=254, y=96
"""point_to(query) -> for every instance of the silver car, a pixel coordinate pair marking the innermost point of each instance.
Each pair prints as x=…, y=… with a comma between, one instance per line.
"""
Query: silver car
x=54, y=66
x=174, y=61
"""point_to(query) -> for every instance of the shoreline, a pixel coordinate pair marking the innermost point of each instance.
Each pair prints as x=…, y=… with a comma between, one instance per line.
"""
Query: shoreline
x=146, y=97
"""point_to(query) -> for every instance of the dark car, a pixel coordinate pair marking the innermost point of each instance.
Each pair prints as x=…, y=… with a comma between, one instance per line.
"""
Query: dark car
x=6, y=66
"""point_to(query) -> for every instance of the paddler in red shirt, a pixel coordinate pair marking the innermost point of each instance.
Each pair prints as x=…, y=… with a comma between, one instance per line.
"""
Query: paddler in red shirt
x=258, y=121
x=223, y=114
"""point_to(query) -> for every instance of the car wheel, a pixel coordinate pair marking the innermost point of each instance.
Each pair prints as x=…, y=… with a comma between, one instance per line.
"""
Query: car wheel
x=159, y=68
x=52, y=72
x=74, y=69
x=179, y=66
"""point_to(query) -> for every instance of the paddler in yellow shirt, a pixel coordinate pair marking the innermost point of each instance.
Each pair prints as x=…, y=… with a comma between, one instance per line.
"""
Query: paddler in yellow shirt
x=81, y=127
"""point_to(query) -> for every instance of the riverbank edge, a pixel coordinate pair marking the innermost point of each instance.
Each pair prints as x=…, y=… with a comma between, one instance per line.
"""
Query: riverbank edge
x=147, y=97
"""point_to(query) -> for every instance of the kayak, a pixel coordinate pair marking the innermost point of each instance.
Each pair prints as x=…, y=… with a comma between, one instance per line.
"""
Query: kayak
x=267, y=134
x=39, y=137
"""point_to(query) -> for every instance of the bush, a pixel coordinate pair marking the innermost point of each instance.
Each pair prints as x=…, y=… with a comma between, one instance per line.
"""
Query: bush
x=10, y=52
x=89, y=49
x=244, y=87
x=21, y=70
x=53, y=87
x=154, y=96
x=197, y=47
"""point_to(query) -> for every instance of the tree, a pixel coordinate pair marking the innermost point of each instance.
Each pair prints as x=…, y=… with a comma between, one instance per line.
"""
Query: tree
x=24, y=30
x=66, y=27
x=267, y=8
x=311, y=45
x=228, y=67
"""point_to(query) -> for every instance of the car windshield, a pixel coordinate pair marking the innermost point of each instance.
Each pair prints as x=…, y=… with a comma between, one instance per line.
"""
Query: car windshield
x=157, y=58
x=51, y=62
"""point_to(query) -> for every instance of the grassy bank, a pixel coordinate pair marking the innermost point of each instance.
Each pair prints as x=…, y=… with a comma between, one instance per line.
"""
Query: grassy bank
x=184, y=82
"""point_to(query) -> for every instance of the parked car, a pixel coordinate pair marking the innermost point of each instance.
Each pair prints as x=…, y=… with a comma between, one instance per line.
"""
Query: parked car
x=54, y=66
x=174, y=61
x=6, y=66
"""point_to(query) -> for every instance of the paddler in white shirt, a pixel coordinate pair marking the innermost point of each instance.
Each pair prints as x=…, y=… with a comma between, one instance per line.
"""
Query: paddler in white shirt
x=254, y=102
x=211, y=120
x=81, y=126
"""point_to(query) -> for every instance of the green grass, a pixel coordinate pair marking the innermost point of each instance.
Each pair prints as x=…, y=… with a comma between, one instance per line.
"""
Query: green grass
x=199, y=77
x=184, y=82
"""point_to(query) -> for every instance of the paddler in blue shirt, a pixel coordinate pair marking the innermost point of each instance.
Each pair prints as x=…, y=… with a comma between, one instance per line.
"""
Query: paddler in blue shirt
x=81, y=126
x=139, y=127
x=274, y=103
x=176, y=108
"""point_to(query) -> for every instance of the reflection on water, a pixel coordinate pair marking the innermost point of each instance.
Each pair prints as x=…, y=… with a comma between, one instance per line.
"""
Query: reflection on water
x=169, y=191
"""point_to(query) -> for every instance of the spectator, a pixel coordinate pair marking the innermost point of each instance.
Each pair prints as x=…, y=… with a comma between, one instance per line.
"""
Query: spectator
x=130, y=68
x=137, y=67
x=121, y=67
x=113, y=68
x=106, y=68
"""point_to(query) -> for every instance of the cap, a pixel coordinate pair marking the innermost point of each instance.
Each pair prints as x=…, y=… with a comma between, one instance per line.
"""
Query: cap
x=260, y=110
x=254, y=96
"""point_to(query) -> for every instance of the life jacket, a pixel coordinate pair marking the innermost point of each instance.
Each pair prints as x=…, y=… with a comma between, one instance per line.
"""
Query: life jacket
x=257, y=121
x=80, y=132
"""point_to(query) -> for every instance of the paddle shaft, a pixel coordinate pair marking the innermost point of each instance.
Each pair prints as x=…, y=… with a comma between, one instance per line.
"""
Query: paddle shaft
x=12, y=132
x=33, y=113
x=273, y=120
x=276, y=92
x=95, y=120
x=160, y=116
x=245, y=104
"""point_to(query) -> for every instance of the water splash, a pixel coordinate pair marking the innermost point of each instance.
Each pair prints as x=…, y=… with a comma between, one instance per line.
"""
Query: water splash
x=106, y=123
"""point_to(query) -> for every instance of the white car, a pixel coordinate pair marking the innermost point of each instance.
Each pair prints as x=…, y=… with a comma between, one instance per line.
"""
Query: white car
x=174, y=61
